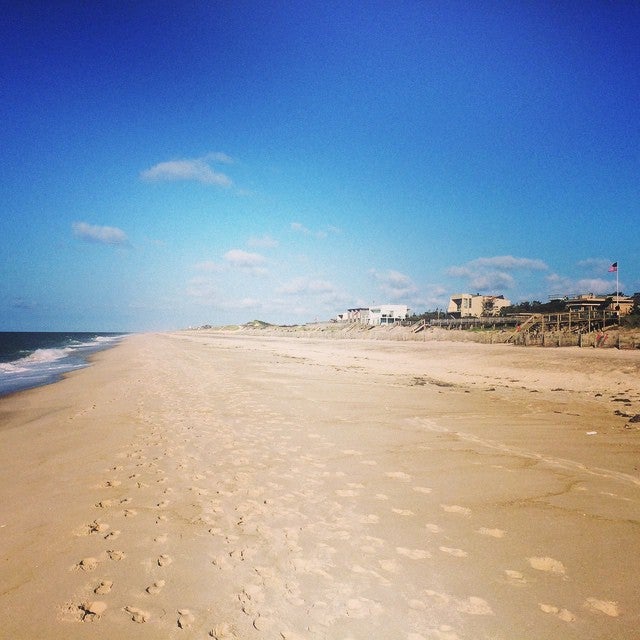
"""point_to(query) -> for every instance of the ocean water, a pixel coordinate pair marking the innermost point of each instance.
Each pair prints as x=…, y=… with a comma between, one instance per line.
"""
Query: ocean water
x=33, y=359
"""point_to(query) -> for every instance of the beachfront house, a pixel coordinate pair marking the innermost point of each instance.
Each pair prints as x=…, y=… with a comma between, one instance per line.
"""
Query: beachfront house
x=469, y=305
x=589, y=301
x=372, y=316
x=355, y=314
x=388, y=314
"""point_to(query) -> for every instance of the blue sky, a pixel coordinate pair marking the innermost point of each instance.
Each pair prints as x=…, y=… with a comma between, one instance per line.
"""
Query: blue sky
x=169, y=164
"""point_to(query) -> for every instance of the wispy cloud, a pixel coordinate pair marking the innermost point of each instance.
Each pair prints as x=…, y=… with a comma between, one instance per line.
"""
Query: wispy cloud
x=190, y=169
x=246, y=260
x=492, y=273
x=395, y=285
x=301, y=285
x=264, y=242
x=564, y=286
x=595, y=265
x=98, y=234
x=240, y=258
x=320, y=234
x=508, y=263
x=219, y=156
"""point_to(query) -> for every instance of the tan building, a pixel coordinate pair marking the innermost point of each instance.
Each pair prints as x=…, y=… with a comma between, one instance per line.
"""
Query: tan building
x=469, y=305
x=586, y=301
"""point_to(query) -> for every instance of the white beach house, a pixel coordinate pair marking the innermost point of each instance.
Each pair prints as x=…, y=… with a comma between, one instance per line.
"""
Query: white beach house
x=372, y=316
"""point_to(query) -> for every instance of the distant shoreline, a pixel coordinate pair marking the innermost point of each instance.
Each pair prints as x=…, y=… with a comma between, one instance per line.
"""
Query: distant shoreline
x=611, y=338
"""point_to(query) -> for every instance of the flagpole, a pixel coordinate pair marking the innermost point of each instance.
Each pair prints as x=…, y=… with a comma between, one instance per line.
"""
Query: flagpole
x=618, y=289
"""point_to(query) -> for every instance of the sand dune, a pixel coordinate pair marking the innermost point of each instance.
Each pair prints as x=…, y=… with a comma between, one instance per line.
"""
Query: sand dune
x=204, y=485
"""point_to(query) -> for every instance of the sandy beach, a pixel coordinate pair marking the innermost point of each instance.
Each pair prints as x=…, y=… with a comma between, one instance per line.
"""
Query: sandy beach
x=216, y=485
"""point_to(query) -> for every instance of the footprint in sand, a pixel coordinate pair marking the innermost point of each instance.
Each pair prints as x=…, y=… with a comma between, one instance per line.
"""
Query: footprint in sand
x=562, y=614
x=93, y=610
x=475, y=606
x=220, y=562
x=87, y=564
x=104, y=587
x=454, y=508
x=222, y=631
x=185, y=618
x=129, y=513
x=515, y=577
x=607, y=607
x=156, y=587
x=138, y=615
x=493, y=533
x=261, y=623
x=403, y=512
x=116, y=555
x=164, y=560
x=389, y=565
x=547, y=564
x=433, y=528
x=92, y=527
x=456, y=553
x=110, y=483
x=422, y=489
x=413, y=554
x=398, y=475
x=443, y=632
x=112, y=535
x=370, y=518
x=362, y=608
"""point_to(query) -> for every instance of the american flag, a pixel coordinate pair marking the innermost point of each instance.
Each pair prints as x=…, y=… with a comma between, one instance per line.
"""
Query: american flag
x=613, y=267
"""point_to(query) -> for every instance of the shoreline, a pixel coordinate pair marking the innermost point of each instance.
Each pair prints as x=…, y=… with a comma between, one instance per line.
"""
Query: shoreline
x=210, y=484
x=37, y=363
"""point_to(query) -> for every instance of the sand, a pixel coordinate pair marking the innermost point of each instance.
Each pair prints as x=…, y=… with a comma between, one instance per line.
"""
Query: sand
x=199, y=485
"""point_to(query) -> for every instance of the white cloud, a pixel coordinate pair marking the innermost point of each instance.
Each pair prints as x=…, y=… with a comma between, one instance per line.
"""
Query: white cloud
x=509, y=263
x=196, y=169
x=395, y=285
x=299, y=286
x=265, y=242
x=219, y=156
x=595, y=285
x=596, y=265
x=564, y=286
x=244, y=259
x=101, y=235
x=494, y=273
x=320, y=234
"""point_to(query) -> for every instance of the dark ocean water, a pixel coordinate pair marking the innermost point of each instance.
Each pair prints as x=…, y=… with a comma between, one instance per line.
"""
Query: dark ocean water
x=32, y=359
